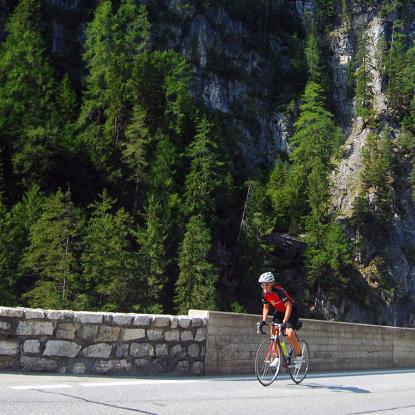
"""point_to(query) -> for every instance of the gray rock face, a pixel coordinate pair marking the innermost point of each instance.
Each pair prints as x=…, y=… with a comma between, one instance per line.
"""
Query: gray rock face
x=102, y=350
x=61, y=348
x=108, y=334
x=141, y=350
x=34, y=328
x=36, y=364
x=105, y=366
x=347, y=177
x=5, y=325
x=133, y=334
x=65, y=331
x=31, y=346
x=9, y=347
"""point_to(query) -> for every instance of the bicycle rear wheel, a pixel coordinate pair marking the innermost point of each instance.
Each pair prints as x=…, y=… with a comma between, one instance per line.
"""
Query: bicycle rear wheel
x=299, y=365
x=266, y=354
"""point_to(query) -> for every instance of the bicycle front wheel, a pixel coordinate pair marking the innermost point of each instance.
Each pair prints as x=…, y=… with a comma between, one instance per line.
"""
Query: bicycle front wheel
x=299, y=365
x=267, y=362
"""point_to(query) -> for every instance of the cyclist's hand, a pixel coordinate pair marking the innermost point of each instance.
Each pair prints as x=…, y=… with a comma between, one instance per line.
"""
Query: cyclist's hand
x=261, y=324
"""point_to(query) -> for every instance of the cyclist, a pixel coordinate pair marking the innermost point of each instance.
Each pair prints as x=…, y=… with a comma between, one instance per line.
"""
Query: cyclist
x=286, y=311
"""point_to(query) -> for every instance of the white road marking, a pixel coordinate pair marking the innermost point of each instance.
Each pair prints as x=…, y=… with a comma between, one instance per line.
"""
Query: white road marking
x=50, y=386
x=205, y=379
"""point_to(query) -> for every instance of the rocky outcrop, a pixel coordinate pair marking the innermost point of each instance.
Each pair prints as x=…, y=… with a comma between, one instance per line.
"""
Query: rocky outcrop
x=400, y=260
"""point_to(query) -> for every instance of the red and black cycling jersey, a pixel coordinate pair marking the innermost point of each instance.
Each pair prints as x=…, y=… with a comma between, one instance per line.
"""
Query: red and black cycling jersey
x=277, y=297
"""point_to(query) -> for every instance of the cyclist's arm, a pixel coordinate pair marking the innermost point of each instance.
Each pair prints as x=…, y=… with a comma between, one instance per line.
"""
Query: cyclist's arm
x=265, y=311
x=288, y=309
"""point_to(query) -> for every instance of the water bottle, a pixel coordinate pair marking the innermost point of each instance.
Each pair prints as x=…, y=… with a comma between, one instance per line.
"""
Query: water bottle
x=284, y=347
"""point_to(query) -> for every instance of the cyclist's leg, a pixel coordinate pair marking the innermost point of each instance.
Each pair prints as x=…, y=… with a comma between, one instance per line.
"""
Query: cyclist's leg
x=278, y=317
x=292, y=339
x=291, y=333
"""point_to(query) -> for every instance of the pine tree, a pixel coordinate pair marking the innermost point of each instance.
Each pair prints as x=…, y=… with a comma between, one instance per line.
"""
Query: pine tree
x=108, y=260
x=6, y=297
x=195, y=287
x=152, y=256
x=314, y=143
x=312, y=54
x=67, y=107
x=20, y=219
x=26, y=77
x=327, y=261
x=203, y=176
x=114, y=42
x=162, y=81
x=52, y=255
x=134, y=151
x=373, y=214
x=364, y=78
x=27, y=109
x=398, y=88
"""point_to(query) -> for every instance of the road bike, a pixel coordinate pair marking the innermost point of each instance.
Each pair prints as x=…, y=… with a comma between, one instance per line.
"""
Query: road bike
x=273, y=353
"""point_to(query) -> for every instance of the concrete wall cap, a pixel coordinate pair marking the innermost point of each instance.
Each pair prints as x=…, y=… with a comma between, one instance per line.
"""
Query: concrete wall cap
x=142, y=320
x=59, y=314
x=122, y=319
x=82, y=317
x=184, y=322
x=32, y=313
x=11, y=312
x=161, y=321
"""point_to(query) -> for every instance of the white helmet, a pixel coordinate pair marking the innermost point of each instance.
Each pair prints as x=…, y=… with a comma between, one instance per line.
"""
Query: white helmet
x=266, y=277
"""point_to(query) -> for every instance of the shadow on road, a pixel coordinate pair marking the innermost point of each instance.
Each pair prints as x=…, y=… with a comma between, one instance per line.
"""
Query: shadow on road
x=336, y=388
x=97, y=402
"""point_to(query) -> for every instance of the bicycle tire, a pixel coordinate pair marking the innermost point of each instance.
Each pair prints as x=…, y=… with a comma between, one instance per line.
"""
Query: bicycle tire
x=298, y=370
x=265, y=354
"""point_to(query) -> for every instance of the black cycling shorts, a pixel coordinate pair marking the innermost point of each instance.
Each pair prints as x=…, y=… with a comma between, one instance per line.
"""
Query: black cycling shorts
x=292, y=321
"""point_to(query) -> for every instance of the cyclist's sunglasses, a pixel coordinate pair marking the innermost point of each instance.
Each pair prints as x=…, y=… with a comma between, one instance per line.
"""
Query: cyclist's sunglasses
x=266, y=284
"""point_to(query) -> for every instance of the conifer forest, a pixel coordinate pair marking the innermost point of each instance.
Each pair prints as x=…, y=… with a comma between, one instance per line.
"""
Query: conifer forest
x=133, y=174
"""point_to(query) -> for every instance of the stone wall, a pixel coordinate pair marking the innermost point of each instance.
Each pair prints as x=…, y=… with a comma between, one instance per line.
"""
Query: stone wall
x=232, y=343
x=99, y=343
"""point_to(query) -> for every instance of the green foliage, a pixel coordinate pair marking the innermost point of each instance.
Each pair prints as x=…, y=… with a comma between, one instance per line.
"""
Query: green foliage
x=313, y=58
x=363, y=78
x=26, y=77
x=153, y=260
x=134, y=151
x=315, y=141
x=397, y=66
x=176, y=227
x=327, y=259
x=114, y=43
x=195, y=286
x=162, y=82
x=19, y=221
x=373, y=210
x=109, y=261
x=52, y=256
x=204, y=170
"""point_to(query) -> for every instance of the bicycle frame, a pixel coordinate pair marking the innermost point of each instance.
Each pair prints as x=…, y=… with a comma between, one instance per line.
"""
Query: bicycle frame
x=264, y=360
x=277, y=343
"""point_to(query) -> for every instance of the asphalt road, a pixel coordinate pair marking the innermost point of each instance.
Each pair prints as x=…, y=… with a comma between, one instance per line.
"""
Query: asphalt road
x=345, y=393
